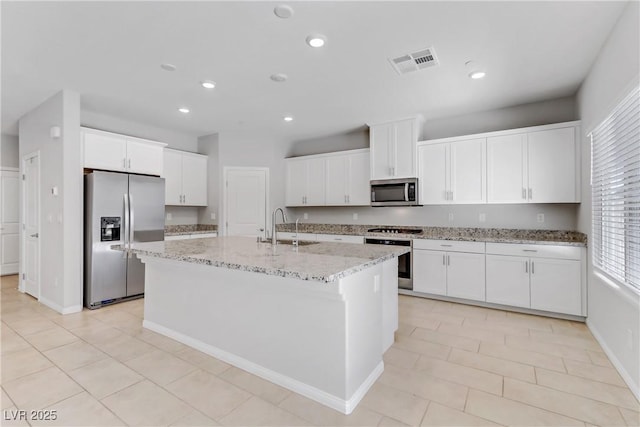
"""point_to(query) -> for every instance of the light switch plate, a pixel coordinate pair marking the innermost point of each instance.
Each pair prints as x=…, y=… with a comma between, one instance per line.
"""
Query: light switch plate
x=305, y=215
x=450, y=216
x=482, y=217
x=169, y=216
x=213, y=215
x=355, y=216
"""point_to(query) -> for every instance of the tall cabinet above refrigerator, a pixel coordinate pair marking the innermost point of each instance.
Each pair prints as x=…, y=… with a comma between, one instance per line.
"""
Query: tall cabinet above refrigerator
x=119, y=209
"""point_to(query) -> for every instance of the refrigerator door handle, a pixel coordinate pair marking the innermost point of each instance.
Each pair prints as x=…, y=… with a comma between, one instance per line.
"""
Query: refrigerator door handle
x=126, y=225
x=131, y=222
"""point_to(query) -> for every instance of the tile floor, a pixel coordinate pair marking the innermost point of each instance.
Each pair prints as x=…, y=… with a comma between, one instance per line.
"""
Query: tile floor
x=451, y=365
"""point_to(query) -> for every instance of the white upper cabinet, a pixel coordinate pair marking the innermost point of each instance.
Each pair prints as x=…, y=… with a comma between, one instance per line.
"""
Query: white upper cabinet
x=393, y=149
x=121, y=153
x=538, y=166
x=185, y=177
x=305, y=181
x=332, y=179
x=452, y=172
x=553, y=165
x=347, y=179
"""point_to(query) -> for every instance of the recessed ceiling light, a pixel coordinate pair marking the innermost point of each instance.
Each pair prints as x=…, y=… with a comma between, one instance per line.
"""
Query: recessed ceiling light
x=168, y=67
x=477, y=74
x=279, y=77
x=283, y=11
x=184, y=110
x=288, y=118
x=316, y=40
x=208, y=84
x=475, y=71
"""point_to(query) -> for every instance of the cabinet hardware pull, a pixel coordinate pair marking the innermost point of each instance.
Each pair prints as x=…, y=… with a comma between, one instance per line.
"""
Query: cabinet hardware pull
x=451, y=195
x=526, y=266
x=446, y=195
x=448, y=260
x=530, y=193
x=124, y=163
x=446, y=246
x=524, y=193
x=444, y=260
x=533, y=271
x=348, y=198
x=529, y=250
x=129, y=163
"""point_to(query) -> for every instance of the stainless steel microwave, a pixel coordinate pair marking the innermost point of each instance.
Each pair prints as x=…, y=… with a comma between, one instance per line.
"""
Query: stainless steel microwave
x=394, y=192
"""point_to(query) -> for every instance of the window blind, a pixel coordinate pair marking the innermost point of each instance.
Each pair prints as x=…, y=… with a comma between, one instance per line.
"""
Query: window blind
x=615, y=185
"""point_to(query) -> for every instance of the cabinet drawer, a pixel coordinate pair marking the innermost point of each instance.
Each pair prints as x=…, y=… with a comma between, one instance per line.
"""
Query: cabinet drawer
x=301, y=236
x=449, y=245
x=535, y=251
x=339, y=238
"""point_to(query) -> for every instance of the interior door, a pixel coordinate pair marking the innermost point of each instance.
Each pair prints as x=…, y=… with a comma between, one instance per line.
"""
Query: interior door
x=31, y=231
x=246, y=202
x=9, y=223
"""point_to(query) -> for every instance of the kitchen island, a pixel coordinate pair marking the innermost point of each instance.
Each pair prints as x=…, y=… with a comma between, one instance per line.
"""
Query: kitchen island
x=315, y=319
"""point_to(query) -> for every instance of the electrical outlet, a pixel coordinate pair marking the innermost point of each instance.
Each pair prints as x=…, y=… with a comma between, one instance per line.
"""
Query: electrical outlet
x=213, y=215
x=630, y=339
x=355, y=216
x=482, y=217
x=450, y=216
x=540, y=217
x=305, y=216
x=169, y=216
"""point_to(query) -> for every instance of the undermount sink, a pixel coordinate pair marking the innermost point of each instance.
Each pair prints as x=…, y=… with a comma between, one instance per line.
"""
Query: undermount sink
x=300, y=242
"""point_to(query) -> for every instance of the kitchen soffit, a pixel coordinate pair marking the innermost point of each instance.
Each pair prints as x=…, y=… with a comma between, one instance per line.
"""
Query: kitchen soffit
x=110, y=53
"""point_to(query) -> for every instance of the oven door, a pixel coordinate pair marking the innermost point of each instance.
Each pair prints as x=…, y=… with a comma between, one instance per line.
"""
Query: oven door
x=405, y=280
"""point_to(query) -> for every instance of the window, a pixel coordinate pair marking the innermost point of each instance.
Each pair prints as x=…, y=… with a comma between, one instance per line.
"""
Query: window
x=615, y=184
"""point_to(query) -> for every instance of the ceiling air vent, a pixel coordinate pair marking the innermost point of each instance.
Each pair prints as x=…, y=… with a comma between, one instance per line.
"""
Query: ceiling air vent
x=420, y=60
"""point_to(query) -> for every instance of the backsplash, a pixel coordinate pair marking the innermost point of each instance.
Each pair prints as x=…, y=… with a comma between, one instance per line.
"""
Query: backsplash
x=520, y=216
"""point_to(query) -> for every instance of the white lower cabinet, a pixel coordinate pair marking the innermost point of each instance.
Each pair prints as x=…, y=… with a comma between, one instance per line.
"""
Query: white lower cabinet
x=454, y=269
x=312, y=237
x=541, y=277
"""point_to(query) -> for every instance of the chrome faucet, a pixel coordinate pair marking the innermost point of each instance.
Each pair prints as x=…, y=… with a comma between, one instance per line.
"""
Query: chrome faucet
x=295, y=240
x=274, y=234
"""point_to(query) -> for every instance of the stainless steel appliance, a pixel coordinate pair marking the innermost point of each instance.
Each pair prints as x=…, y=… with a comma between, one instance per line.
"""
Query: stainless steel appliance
x=405, y=272
x=119, y=209
x=394, y=192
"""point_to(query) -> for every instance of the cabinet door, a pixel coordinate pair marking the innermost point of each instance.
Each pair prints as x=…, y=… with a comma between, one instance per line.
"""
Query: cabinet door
x=172, y=174
x=555, y=285
x=508, y=280
x=506, y=169
x=194, y=180
x=359, y=192
x=336, y=180
x=144, y=157
x=468, y=171
x=552, y=166
x=315, y=182
x=432, y=174
x=296, y=182
x=404, y=155
x=465, y=275
x=382, y=140
x=104, y=151
x=430, y=272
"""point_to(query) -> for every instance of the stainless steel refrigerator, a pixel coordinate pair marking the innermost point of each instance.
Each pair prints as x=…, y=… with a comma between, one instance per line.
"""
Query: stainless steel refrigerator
x=119, y=209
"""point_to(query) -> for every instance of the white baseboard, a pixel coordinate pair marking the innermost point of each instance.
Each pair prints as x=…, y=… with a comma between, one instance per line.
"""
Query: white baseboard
x=62, y=310
x=320, y=396
x=633, y=385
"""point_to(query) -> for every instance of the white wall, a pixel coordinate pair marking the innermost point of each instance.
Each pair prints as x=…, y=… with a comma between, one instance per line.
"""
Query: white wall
x=613, y=312
x=208, y=145
x=557, y=217
x=176, y=140
x=60, y=216
x=9, y=151
x=253, y=149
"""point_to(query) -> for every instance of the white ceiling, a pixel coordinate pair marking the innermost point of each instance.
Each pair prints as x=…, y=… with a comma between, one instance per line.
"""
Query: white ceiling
x=110, y=52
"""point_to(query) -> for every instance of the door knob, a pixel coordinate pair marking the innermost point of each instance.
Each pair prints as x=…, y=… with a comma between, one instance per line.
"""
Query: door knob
x=35, y=235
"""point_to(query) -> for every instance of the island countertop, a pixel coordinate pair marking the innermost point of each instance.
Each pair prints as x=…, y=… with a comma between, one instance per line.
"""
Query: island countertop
x=323, y=262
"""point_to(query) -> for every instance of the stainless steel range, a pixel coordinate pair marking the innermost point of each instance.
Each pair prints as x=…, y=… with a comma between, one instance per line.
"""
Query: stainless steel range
x=405, y=272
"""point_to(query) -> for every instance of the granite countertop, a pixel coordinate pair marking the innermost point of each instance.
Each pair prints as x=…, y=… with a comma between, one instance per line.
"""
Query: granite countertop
x=493, y=235
x=323, y=262
x=177, y=230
